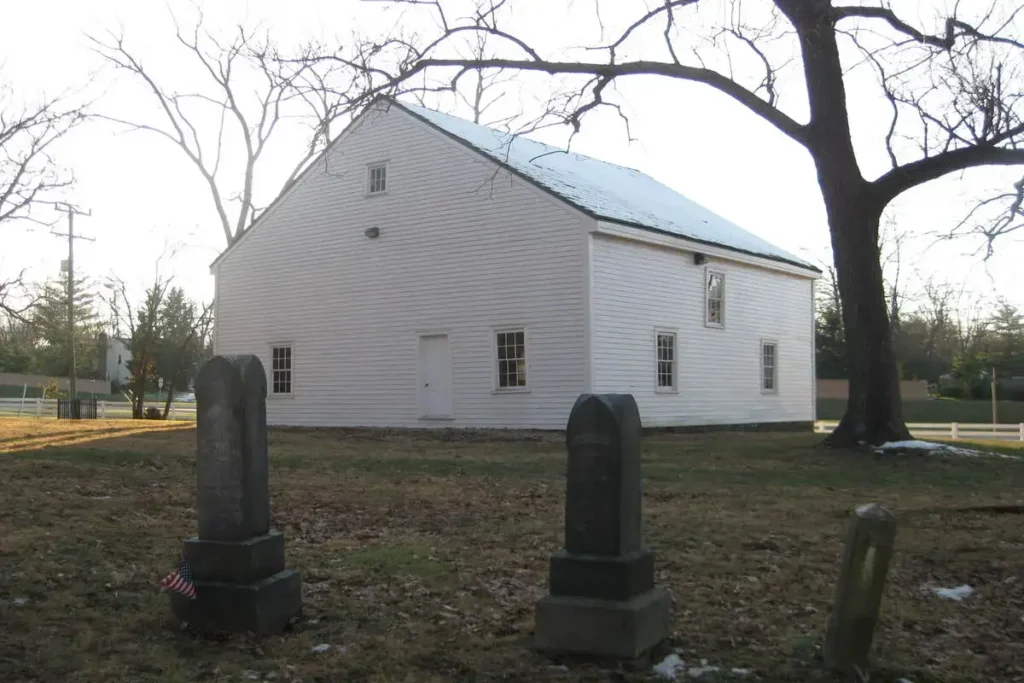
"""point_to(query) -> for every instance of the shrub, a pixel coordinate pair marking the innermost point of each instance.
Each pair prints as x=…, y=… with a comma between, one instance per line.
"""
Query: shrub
x=955, y=391
x=154, y=413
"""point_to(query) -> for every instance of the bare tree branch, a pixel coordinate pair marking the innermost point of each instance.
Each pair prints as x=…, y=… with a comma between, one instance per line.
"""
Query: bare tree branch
x=915, y=173
x=17, y=298
x=29, y=175
x=608, y=72
x=282, y=92
x=955, y=28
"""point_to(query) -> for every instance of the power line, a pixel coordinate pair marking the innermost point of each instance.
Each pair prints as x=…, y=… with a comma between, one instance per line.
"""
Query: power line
x=70, y=234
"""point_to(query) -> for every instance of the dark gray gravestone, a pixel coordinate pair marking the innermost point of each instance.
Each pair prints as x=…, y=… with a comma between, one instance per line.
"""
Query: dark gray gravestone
x=237, y=561
x=603, y=600
x=852, y=623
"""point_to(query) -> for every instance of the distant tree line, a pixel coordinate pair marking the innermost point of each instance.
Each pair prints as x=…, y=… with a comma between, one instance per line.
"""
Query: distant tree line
x=167, y=334
x=950, y=339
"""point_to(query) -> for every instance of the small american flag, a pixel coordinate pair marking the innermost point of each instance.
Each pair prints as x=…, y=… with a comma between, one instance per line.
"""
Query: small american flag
x=180, y=581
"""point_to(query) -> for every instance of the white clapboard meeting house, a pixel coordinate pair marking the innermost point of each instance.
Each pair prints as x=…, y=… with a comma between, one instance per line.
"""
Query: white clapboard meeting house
x=430, y=272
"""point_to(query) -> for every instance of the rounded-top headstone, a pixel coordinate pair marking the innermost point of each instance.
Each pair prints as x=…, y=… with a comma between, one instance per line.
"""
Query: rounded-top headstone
x=231, y=447
x=602, y=503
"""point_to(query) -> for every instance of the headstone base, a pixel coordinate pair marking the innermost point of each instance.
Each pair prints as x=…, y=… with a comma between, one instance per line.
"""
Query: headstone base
x=603, y=628
x=262, y=607
x=596, y=576
x=236, y=561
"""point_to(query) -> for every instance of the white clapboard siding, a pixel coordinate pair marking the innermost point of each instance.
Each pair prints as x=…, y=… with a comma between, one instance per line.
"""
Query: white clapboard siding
x=637, y=287
x=463, y=248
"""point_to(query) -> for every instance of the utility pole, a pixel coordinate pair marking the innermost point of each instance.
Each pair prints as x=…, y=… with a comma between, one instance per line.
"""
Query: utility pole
x=70, y=234
x=995, y=400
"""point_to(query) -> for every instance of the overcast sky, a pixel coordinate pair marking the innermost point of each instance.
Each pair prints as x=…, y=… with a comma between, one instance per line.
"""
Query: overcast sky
x=144, y=196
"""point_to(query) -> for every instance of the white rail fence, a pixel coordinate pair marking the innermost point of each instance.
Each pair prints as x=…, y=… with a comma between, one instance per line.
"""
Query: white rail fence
x=111, y=410
x=122, y=410
x=950, y=430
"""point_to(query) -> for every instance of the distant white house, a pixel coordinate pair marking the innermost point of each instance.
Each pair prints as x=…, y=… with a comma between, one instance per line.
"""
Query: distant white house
x=113, y=359
x=430, y=272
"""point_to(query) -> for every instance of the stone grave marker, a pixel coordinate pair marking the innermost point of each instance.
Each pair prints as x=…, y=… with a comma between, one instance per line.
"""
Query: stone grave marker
x=603, y=600
x=237, y=560
x=854, y=615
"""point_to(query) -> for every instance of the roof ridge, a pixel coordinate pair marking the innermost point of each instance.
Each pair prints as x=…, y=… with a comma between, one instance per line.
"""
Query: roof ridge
x=555, y=149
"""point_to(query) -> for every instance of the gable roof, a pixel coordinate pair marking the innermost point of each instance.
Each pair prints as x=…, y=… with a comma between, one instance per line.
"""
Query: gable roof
x=603, y=190
x=599, y=189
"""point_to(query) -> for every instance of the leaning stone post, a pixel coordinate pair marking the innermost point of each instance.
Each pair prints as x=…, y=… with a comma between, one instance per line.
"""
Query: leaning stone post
x=237, y=561
x=859, y=591
x=603, y=600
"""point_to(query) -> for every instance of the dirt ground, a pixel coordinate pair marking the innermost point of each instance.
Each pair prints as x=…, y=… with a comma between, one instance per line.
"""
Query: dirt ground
x=422, y=555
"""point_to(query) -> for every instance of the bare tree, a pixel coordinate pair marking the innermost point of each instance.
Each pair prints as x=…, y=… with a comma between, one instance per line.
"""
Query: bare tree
x=29, y=175
x=953, y=90
x=247, y=96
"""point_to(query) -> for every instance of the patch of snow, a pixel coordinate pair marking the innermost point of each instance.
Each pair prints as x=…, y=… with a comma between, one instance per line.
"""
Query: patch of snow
x=912, y=445
x=698, y=671
x=670, y=667
x=251, y=675
x=932, y=447
x=958, y=593
x=321, y=648
x=608, y=191
x=904, y=680
x=673, y=667
x=20, y=602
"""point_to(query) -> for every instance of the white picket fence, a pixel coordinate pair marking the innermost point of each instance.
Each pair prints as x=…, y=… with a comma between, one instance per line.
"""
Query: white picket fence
x=111, y=410
x=950, y=430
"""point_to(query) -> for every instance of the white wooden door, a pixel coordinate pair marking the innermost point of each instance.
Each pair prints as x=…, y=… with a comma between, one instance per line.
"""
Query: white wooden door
x=435, y=376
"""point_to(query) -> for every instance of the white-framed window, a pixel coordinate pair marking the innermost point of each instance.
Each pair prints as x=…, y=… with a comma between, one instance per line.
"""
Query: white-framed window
x=377, y=178
x=510, y=345
x=666, y=360
x=714, y=298
x=281, y=370
x=769, y=367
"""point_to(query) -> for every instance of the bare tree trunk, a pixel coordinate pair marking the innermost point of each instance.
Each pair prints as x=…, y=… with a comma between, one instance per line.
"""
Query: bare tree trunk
x=139, y=398
x=177, y=371
x=170, y=396
x=874, y=411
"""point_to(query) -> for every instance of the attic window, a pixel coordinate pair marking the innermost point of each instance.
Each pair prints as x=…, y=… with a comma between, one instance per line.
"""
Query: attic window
x=377, y=179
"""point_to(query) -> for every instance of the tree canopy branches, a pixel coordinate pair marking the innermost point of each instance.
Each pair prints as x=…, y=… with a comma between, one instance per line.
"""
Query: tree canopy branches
x=29, y=174
x=252, y=95
x=955, y=92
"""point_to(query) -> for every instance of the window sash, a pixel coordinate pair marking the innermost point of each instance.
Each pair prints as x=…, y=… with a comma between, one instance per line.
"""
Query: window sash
x=281, y=370
x=769, y=366
x=714, y=313
x=378, y=179
x=666, y=360
x=511, y=358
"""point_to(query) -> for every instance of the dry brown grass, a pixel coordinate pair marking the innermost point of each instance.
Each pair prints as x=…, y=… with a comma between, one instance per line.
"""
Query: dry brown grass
x=422, y=555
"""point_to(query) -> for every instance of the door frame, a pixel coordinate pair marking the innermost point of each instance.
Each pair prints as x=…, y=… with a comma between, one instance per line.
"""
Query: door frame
x=451, y=374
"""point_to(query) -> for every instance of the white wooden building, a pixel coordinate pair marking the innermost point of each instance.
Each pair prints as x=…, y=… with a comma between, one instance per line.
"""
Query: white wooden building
x=429, y=272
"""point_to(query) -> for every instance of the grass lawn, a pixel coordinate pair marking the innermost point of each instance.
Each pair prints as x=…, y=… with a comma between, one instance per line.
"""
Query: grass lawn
x=422, y=555
x=938, y=410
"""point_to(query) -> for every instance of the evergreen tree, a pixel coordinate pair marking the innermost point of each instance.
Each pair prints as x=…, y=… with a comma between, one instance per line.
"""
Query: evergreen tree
x=52, y=355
